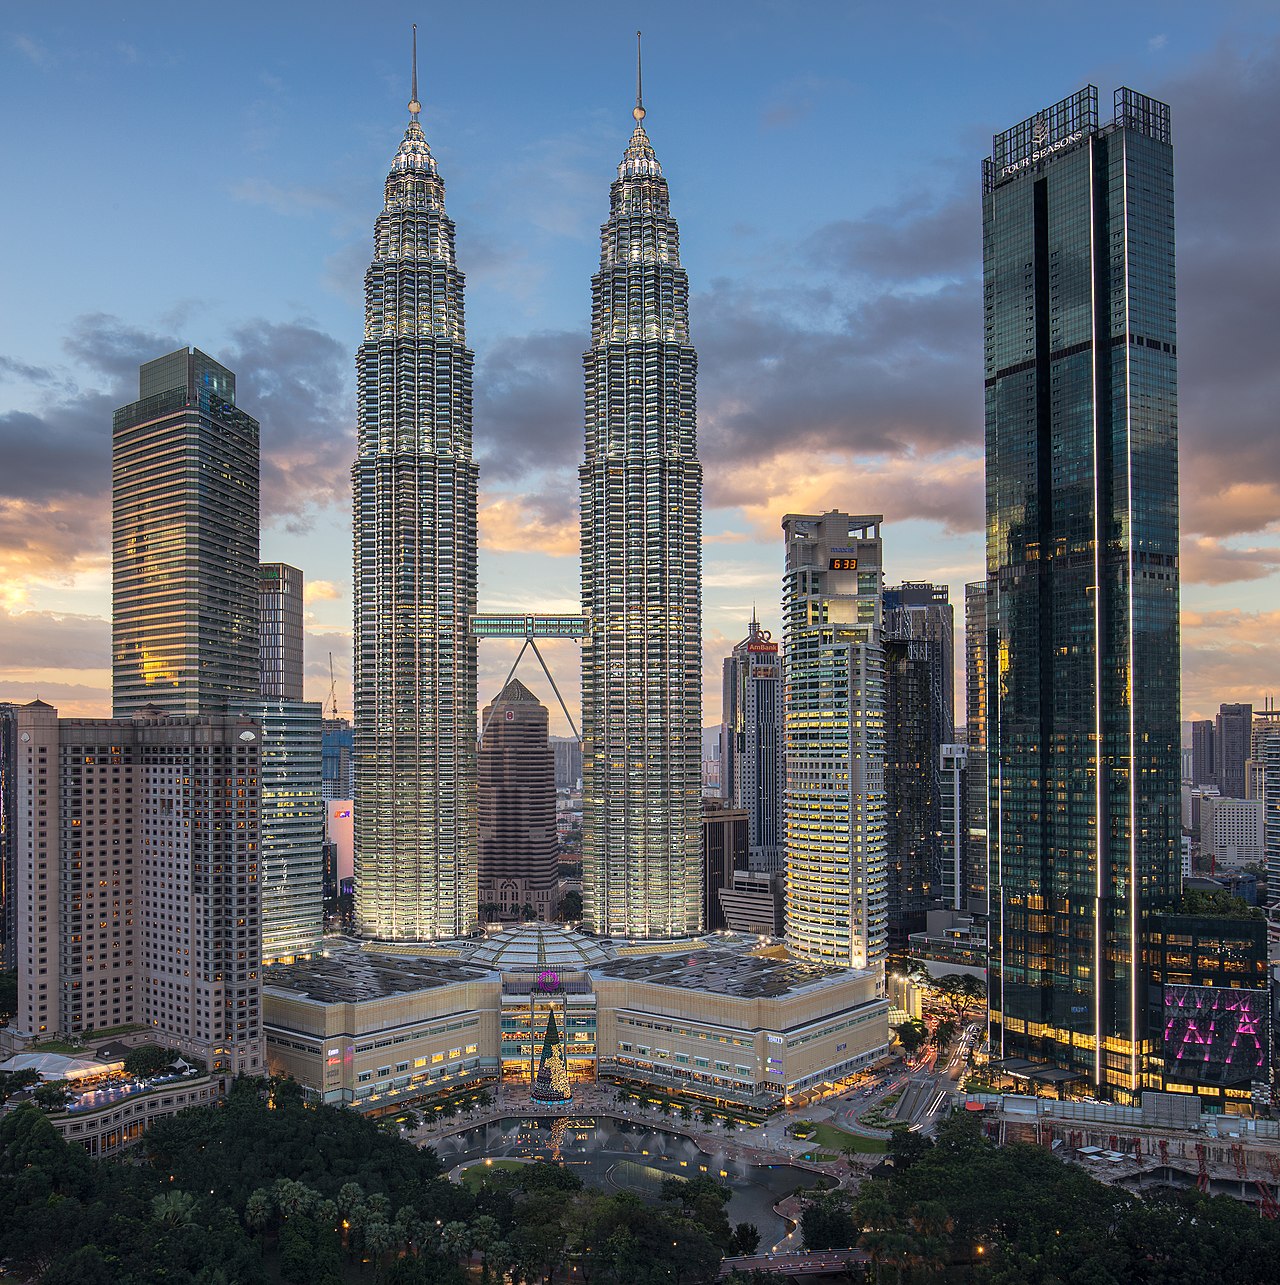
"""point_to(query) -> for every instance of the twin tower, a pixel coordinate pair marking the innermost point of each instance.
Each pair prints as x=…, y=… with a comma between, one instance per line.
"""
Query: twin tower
x=415, y=534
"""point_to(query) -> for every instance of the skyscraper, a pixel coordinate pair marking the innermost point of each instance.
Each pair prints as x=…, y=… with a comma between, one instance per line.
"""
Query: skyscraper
x=1202, y=756
x=519, y=851
x=1082, y=570
x=139, y=839
x=751, y=764
x=414, y=488
x=975, y=769
x=280, y=625
x=916, y=633
x=835, y=802
x=641, y=490
x=1232, y=746
x=8, y=835
x=184, y=503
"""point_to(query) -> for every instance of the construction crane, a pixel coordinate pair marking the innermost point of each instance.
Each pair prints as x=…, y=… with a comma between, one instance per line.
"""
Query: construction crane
x=332, y=710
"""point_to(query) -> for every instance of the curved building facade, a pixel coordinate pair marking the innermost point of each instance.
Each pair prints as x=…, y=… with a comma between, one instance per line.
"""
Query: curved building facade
x=414, y=486
x=641, y=491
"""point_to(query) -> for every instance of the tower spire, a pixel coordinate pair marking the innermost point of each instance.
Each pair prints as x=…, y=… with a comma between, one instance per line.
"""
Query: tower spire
x=414, y=105
x=638, y=113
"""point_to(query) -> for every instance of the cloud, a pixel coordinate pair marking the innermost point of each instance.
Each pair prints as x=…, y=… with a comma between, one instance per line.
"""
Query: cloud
x=528, y=409
x=1156, y=43
x=1228, y=655
x=48, y=640
x=793, y=100
x=322, y=591
x=904, y=241
x=294, y=380
x=1207, y=560
x=12, y=369
x=528, y=523
x=1228, y=267
x=31, y=50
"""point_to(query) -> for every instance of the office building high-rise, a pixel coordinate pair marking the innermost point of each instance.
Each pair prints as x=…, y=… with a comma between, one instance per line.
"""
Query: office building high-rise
x=280, y=630
x=952, y=828
x=641, y=492
x=835, y=803
x=751, y=764
x=184, y=502
x=916, y=634
x=1232, y=748
x=975, y=772
x=519, y=850
x=8, y=835
x=150, y=918
x=1202, y=756
x=1083, y=728
x=414, y=485
x=337, y=769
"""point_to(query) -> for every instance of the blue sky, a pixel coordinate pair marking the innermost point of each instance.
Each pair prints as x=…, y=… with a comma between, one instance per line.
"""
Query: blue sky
x=211, y=176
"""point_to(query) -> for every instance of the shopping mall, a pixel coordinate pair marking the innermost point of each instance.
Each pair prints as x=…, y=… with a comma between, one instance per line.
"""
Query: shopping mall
x=724, y=1018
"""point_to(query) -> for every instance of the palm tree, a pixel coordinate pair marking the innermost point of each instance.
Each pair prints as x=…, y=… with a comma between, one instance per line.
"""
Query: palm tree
x=486, y=1235
x=485, y=1099
x=257, y=1209
x=455, y=1240
x=173, y=1208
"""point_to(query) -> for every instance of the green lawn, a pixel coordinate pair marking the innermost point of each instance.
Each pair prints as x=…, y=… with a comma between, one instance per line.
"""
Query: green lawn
x=831, y=1138
x=473, y=1177
x=56, y=1046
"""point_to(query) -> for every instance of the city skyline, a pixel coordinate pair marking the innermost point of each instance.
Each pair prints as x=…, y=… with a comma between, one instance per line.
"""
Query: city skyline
x=291, y=343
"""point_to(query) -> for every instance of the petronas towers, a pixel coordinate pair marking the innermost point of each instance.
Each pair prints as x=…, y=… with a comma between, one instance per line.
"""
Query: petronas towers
x=415, y=534
x=414, y=486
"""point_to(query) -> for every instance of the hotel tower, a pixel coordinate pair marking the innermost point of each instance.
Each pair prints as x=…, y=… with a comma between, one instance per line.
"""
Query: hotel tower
x=1082, y=726
x=414, y=486
x=641, y=488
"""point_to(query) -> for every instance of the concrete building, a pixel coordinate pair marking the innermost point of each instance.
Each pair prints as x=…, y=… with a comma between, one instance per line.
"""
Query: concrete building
x=641, y=500
x=184, y=504
x=280, y=626
x=568, y=752
x=414, y=529
x=8, y=835
x=716, y=1020
x=1232, y=832
x=953, y=832
x=835, y=802
x=518, y=845
x=1203, y=766
x=1232, y=749
x=137, y=881
x=752, y=770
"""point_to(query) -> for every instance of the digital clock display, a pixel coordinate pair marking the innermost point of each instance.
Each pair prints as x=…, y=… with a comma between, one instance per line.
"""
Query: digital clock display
x=842, y=564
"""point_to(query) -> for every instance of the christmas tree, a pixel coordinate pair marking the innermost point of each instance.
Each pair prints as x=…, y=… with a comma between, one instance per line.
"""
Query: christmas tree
x=551, y=1084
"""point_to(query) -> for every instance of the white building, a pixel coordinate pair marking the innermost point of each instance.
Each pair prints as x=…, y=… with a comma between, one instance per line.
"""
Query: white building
x=835, y=803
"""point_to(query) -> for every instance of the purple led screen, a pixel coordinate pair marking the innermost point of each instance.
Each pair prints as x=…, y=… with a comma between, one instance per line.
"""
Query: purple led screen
x=1215, y=1035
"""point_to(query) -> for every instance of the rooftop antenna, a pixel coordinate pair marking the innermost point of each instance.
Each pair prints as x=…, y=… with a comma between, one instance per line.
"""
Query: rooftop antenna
x=414, y=105
x=638, y=113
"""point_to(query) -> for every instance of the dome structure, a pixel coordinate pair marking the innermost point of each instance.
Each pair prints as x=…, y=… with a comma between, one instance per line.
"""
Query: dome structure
x=531, y=948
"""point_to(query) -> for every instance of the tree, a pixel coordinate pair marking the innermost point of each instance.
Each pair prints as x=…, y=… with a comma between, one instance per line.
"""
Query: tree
x=485, y=1100
x=826, y=1221
x=527, y=913
x=746, y=1239
x=258, y=1209
x=52, y=1096
x=570, y=908
x=173, y=1208
x=148, y=1060
x=906, y=1148
x=944, y=1032
x=911, y=1035
x=686, y=1112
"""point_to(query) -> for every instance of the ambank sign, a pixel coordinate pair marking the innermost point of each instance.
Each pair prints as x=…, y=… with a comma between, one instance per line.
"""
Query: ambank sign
x=1043, y=153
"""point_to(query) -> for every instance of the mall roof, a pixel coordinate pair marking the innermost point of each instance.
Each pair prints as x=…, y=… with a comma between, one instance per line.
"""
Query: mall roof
x=347, y=974
x=733, y=973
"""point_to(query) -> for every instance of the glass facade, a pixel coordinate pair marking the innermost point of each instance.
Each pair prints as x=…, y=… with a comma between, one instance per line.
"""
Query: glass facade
x=641, y=492
x=292, y=828
x=280, y=625
x=975, y=772
x=184, y=503
x=1082, y=576
x=835, y=805
x=414, y=487
x=751, y=765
